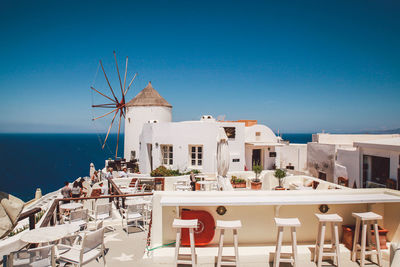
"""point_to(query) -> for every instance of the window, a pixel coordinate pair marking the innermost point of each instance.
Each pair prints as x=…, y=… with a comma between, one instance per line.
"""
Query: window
x=167, y=154
x=258, y=133
x=196, y=155
x=235, y=160
x=230, y=132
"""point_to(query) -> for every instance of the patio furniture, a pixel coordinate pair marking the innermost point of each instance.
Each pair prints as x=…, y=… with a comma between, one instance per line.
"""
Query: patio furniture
x=366, y=219
x=185, y=258
x=79, y=217
x=49, y=234
x=281, y=223
x=103, y=212
x=226, y=225
x=320, y=252
x=38, y=257
x=91, y=248
x=132, y=213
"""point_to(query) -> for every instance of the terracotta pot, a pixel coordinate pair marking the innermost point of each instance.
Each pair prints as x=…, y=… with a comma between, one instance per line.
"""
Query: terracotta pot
x=348, y=234
x=239, y=185
x=198, y=187
x=256, y=185
x=280, y=188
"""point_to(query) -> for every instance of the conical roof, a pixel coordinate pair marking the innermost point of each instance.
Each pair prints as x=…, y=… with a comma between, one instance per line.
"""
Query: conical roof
x=148, y=97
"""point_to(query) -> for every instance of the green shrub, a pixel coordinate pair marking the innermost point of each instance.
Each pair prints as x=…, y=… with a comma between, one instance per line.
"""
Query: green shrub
x=235, y=180
x=257, y=169
x=280, y=174
x=162, y=171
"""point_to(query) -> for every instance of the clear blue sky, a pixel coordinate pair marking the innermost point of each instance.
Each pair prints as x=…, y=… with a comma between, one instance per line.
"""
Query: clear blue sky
x=297, y=66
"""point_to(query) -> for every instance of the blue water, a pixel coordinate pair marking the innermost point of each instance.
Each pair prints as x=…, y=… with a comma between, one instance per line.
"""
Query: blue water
x=29, y=161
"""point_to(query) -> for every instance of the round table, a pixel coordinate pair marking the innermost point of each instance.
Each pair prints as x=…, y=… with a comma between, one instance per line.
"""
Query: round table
x=49, y=234
x=71, y=206
x=137, y=202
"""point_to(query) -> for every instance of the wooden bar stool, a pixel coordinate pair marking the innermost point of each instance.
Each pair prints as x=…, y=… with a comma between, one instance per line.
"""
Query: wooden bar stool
x=222, y=226
x=185, y=258
x=289, y=257
x=333, y=251
x=366, y=219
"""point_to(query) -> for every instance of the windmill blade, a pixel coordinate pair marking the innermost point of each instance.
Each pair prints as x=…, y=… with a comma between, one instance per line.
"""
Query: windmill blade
x=105, y=114
x=119, y=76
x=119, y=129
x=105, y=75
x=91, y=87
x=109, y=128
x=130, y=84
x=126, y=70
x=104, y=106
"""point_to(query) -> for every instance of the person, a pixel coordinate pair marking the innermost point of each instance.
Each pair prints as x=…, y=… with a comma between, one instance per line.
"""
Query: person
x=94, y=178
x=193, y=181
x=66, y=192
x=76, y=190
x=103, y=189
x=109, y=174
x=83, y=189
x=123, y=173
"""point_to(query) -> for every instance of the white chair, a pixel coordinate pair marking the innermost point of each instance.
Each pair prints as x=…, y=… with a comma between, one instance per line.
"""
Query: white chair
x=91, y=248
x=184, y=258
x=38, y=257
x=366, y=220
x=289, y=257
x=103, y=212
x=132, y=213
x=79, y=217
x=234, y=226
x=333, y=251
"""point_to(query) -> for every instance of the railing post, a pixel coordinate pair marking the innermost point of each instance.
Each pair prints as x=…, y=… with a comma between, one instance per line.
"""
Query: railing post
x=58, y=211
x=123, y=203
x=31, y=221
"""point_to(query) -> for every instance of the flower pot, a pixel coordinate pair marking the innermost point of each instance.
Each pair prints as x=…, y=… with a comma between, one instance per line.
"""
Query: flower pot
x=280, y=188
x=348, y=235
x=198, y=187
x=239, y=185
x=256, y=185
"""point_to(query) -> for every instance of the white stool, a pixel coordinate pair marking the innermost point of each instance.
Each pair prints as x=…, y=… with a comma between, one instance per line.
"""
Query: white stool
x=333, y=251
x=366, y=219
x=234, y=225
x=185, y=258
x=292, y=257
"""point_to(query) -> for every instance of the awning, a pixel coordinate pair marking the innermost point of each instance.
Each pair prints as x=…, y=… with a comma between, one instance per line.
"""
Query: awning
x=263, y=144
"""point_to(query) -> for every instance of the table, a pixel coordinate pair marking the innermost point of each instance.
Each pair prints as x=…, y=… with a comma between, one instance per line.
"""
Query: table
x=49, y=234
x=204, y=184
x=71, y=206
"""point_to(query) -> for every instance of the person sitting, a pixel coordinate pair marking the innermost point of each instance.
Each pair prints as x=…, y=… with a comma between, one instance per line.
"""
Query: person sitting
x=123, y=173
x=66, y=192
x=76, y=190
x=103, y=189
x=94, y=178
x=193, y=181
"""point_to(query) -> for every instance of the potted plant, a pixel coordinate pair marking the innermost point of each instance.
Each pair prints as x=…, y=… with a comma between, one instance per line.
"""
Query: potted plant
x=256, y=183
x=238, y=182
x=280, y=174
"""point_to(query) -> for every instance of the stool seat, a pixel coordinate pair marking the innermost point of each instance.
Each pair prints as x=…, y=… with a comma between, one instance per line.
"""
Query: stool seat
x=229, y=224
x=287, y=222
x=329, y=217
x=366, y=216
x=184, y=223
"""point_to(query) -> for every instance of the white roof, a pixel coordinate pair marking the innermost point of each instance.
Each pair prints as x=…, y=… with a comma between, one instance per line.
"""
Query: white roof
x=264, y=144
x=387, y=143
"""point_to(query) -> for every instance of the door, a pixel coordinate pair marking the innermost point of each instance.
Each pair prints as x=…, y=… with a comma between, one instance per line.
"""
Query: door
x=150, y=155
x=256, y=157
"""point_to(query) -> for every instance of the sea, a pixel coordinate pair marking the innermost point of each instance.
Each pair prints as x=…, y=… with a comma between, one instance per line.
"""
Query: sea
x=46, y=161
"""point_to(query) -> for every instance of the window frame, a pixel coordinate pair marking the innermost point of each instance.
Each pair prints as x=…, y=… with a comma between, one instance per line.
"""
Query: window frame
x=169, y=155
x=196, y=159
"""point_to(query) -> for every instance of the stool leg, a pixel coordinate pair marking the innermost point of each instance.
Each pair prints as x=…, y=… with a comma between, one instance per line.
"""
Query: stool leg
x=363, y=243
x=191, y=233
x=378, y=245
x=336, y=233
x=278, y=246
x=355, y=240
x=333, y=243
x=294, y=246
x=236, y=244
x=321, y=244
x=221, y=245
x=177, y=245
x=316, y=241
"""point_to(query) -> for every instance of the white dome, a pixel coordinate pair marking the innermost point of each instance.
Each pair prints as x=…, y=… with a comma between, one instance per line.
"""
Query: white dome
x=260, y=133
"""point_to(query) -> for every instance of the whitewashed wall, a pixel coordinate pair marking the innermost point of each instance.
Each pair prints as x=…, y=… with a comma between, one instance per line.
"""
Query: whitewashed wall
x=134, y=120
x=351, y=160
x=295, y=154
x=321, y=158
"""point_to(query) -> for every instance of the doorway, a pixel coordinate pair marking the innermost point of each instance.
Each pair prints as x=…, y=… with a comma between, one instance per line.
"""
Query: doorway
x=256, y=157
